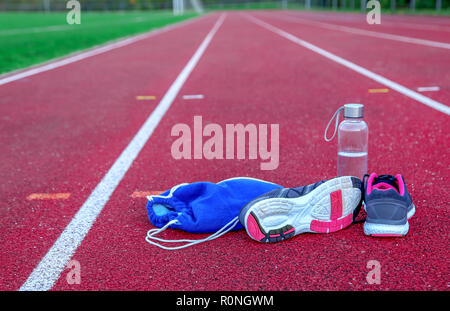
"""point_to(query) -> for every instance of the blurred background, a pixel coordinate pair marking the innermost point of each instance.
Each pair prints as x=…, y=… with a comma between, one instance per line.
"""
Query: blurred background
x=109, y=5
x=35, y=31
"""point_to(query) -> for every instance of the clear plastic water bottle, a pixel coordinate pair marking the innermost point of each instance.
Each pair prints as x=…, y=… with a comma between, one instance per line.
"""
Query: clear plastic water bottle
x=353, y=138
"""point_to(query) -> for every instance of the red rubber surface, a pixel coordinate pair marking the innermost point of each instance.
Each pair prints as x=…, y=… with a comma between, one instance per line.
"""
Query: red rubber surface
x=61, y=131
x=386, y=235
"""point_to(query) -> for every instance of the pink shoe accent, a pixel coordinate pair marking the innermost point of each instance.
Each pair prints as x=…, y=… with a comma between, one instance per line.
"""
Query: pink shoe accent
x=253, y=228
x=400, y=183
x=289, y=231
x=336, y=204
x=331, y=226
x=383, y=187
x=370, y=181
x=387, y=235
x=274, y=235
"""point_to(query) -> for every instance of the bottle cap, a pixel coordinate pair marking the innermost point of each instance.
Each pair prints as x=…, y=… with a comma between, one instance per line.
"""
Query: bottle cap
x=353, y=110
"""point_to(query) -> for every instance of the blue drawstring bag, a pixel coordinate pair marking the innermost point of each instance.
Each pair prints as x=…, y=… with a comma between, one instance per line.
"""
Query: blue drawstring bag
x=202, y=207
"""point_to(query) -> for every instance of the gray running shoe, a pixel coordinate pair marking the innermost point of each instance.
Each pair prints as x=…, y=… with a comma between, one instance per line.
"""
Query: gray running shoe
x=324, y=207
x=388, y=206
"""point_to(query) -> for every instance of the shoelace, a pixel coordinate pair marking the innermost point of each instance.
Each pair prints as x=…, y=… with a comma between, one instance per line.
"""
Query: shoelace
x=152, y=232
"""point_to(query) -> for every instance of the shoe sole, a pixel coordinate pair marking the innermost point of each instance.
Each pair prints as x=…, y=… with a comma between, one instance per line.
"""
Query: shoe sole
x=326, y=209
x=388, y=231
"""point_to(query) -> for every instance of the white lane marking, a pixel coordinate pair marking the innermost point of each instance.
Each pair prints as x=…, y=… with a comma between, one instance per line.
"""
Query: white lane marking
x=375, y=34
x=200, y=96
x=89, y=53
x=417, y=26
x=428, y=89
x=386, y=21
x=365, y=72
x=53, y=263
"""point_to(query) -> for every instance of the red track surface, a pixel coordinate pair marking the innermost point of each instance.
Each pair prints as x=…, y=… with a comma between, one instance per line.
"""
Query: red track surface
x=63, y=129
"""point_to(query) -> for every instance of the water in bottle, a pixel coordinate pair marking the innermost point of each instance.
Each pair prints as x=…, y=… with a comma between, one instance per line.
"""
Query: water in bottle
x=353, y=134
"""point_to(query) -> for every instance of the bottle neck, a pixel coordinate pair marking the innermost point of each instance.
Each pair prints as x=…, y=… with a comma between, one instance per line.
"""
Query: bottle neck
x=353, y=119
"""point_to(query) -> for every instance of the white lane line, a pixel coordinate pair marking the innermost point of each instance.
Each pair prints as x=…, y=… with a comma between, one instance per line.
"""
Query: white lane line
x=428, y=89
x=53, y=263
x=365, y=72
x=419, y=26
x=199, y=96
x=89, y=53
x=385, y=21
x=370, y=33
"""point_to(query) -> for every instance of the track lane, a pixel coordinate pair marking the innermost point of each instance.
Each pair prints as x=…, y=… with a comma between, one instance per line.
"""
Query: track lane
x=62, y=130
x=422, y=27
x=299, y=90
x=398, y=61
x=434, y=39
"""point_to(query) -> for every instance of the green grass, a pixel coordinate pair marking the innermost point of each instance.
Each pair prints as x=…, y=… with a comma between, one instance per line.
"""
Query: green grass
x=31, y=38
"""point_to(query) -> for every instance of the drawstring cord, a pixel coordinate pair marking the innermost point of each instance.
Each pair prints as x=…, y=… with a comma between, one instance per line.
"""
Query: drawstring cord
x=336, y=114
x=151, y=238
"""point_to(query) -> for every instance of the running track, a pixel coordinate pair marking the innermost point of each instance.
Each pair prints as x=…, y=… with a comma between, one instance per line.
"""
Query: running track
x=62, y=130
